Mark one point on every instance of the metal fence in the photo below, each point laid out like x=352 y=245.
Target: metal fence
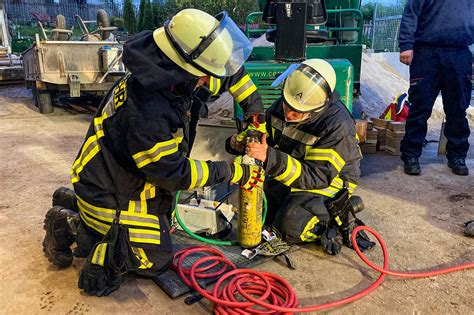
x=384 y=26
x=23 y=11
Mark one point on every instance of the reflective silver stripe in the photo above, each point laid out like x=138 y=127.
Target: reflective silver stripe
x=109 y=216
x=88 y=150
x=109 y=108
x=99 y=227
x=215 y=85
x=143 y=237
x=100 y=250
x=300 y=136
x=242 y=89
x=138 y=207
x=277 y=123
x=325 y=192
x=294 y=133
x=199 y=172
x=329 y=156
x=292 y=172
x=98 y=127
x=155 y=153
x=136 y=235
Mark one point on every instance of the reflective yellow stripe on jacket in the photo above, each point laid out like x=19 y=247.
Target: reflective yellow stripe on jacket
x=158 y=151
x=242 y=89
x=330 y=191
x=199 y=173
x=91 y=146
x=98 y=257
x=329 y=155
x=307 y=235
x=291 y=173
x=146 y=227
x=214 y=85
x=140 y=206
x=145 y=263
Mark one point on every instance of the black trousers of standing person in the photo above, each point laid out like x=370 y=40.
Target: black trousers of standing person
x=433 y=70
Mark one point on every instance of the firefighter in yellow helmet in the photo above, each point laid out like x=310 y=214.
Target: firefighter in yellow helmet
x=134 y=157
x=311 y=159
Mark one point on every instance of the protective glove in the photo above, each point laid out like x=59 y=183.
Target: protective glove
x=254 y=122
x=96 y=278
x=247 y=176
x=362 y=239
x=331 y=240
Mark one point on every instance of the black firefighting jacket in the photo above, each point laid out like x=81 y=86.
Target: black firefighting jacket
x=316 y=155
x=242 y=89
x=134 y=155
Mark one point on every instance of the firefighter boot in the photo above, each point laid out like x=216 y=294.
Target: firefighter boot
x=458 y=166
x=469 y=228
x=66 y=198
x=411 y=166
x=60 y=224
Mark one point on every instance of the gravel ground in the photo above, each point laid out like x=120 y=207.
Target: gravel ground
x=420 y=219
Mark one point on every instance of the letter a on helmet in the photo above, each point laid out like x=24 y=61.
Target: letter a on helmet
x=202 y=44
x=309 y=86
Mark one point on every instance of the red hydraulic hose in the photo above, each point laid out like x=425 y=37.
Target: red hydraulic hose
x=267 y=293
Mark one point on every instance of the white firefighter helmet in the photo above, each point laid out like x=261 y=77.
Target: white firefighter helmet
x=309 y=87
x=202 y=44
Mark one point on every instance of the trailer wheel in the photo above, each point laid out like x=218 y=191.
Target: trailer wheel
x=61 y=24
x=44 y=103
x=103 y=21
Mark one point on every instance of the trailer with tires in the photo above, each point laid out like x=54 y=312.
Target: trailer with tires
x=56 y=66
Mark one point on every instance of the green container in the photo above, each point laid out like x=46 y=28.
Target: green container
x=19 y=45
x=342 y=4
x=264 y=73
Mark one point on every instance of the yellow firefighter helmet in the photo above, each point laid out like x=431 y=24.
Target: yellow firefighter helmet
x=309 y=87
x=202 y=44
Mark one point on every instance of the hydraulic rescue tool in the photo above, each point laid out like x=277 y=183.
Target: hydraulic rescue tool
x=249 y=218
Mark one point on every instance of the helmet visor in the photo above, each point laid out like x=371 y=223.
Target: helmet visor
x=224 y=51
x=221 y=53
x=305 y=89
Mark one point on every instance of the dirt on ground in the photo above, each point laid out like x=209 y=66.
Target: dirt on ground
x=420 y=219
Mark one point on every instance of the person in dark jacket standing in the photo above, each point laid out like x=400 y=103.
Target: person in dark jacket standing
x=310 y=155
x=434 y=38
x=134 y=157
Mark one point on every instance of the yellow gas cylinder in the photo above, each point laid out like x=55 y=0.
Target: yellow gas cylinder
x=249 y=217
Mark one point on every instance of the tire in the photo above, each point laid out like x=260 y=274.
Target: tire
x=61 y=24
x=44 y=103
x=103 y=21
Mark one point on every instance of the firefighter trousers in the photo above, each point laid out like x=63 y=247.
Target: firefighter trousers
x=299 y=216
x=152 y=262
x=434 y=70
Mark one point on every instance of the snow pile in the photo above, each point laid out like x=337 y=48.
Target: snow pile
x=381 y=83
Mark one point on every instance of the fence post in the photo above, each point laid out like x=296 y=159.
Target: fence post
x=374 y=18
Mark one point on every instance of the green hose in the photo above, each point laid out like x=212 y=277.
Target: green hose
x=207 y=240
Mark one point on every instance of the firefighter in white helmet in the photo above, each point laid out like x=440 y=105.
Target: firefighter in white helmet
x=134 y=156
x=311 y=159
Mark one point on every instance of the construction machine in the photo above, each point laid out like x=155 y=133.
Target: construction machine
x=305 y=29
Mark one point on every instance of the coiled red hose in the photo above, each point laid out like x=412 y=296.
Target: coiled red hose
x=267 y=293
